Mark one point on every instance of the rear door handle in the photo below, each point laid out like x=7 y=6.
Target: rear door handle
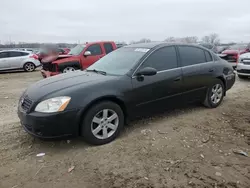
x=177 y=79
x=211 y=70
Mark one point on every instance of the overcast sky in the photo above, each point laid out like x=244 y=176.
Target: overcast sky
x=122 y=20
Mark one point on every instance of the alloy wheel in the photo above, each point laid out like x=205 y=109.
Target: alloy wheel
x=104 y=124
x=29 y=67
x=217 y=93
x=69 y=69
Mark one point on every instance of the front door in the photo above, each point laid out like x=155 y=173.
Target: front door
x=96 y=54
x=163 y=90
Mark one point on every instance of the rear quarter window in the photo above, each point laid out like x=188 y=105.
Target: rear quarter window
x=208 y=56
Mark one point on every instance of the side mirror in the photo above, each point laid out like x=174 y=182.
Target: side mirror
x=147 y=71
x=87 y=53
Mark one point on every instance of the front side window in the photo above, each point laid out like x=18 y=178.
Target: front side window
x=191 y=55
x=17 y=54
x=162 y=59
x=95 y=49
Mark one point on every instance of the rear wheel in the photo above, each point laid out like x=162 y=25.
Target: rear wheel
x=69 y=69
x=102 y=123
x=242 y=77
x=29 y=67
x=215 y=94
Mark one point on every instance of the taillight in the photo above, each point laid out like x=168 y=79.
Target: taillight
x=34 y=56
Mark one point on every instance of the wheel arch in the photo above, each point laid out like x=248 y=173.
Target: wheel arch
x=75 y=64
x=221 y=78
x=111 y=98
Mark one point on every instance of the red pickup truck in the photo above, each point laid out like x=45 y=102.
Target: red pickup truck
x=233 y=52
x=79 y=57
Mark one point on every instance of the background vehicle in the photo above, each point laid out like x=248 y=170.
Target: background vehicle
x=243 y=66
x=14 y=59
x=221 y=48
x=209 y=46
x=79 y=57
x=233 y=52
x=132 y=81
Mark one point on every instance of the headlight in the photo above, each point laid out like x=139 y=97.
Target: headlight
x=56 y=104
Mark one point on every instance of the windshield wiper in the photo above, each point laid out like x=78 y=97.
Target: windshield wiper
x=97 y=71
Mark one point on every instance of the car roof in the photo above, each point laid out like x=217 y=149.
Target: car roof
x=156 y=44
x=97 y=42
x=15 y=51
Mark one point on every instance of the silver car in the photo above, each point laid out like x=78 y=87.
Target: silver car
x=16 y=59
x=243 y=66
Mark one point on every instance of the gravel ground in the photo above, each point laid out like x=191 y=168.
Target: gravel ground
x=189 y=147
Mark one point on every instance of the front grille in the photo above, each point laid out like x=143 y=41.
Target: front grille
x=50 y=67
x=26 y=104
x=244 y=71
x=246 y=61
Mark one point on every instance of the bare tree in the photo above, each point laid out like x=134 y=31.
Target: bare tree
x=212 y=39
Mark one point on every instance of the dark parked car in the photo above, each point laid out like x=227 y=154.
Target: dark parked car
x=129 y=82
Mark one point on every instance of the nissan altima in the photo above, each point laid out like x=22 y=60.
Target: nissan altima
x=132 y=81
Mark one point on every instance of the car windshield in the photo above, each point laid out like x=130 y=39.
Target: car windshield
x=119 y=62
x=238 y=47
x=77 y=49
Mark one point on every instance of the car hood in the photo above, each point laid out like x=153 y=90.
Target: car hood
x=230 y=51
x=66 y=58
x=245 y=55
x=53 y=84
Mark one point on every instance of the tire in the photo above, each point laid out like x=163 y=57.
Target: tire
x=242 y=77
x=29 y=67
x=213 y=102
x=94 y=124
x=69 y=69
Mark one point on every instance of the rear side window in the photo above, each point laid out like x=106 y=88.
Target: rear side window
x=4 y=54
x=162 y=59
x=191 y=55
x=208 y=56
x=95 y=49
x=17 y=54
x=108 y=47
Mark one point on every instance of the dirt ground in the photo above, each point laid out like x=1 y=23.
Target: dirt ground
x=188 y=147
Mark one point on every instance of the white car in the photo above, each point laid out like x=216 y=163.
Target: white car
x=16 y=59
x=243 y=66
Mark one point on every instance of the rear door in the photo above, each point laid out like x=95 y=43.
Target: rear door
x=108 y=47
x=16 y=58
x=198 y=68
x=162 y=90
x=96 y=54
x=4 y=63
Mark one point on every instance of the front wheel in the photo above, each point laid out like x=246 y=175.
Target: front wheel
x=69 y=69
x=29 y=67
x=102 y=123
x=215 y=95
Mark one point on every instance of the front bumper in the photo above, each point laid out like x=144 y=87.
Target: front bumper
x=54 y=125
x=243 y=69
